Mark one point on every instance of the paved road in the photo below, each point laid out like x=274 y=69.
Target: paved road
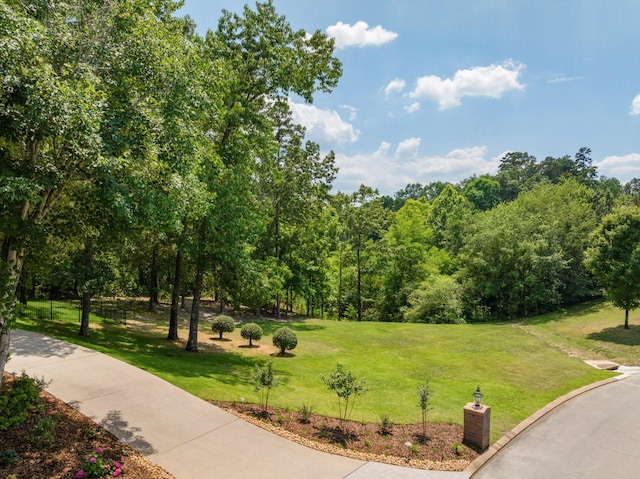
x=593 y=436
x=187 y=436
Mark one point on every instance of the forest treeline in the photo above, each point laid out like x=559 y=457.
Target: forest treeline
x=139 y=157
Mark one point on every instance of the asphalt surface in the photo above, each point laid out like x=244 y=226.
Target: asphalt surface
x=592 y=436
x=187 y=436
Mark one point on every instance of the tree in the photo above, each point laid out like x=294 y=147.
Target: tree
x=614 y=257
x=482 y=192
x=437 y=300
x=264 y=61
x=223 y=324
x=285 y=340
x=264 y=381
x=424 y=398
x=251 y=331
x=78 y=106
x=405 y=258
x=347 y=387
x=363 y=221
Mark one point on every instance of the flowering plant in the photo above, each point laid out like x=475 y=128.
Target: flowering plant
x=97 y=466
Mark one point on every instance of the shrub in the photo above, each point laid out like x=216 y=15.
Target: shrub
x=17 y=399
x=251 y=331
x=285 y=339
x=385 y=424
x=305 y=413
x=98 y=466
x=223 y=324
x=7 y=457
x=347 y=387
x=43 y=432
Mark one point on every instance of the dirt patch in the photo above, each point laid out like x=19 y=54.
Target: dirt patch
x=406 y=445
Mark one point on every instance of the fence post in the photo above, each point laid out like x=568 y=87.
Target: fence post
x=51 y=309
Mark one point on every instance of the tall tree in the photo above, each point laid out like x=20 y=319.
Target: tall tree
x=73 y=75
x=364 y=219
x=265 y=60
x=614 y=258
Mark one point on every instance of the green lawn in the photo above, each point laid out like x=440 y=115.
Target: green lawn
x=519 y=366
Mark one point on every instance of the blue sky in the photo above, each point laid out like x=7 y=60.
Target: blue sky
x=442 y=89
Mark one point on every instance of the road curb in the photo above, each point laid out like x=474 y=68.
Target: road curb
x=524 y=425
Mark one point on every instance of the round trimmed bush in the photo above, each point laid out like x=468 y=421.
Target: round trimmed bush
x=285 y=339
x=251 y=331
x=223 y=324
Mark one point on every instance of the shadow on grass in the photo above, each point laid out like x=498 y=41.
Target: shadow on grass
x=591 y=307
x=148 y=351
x=618 y=335
x=249 y=346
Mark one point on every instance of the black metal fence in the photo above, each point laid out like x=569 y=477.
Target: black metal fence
x=116 y=311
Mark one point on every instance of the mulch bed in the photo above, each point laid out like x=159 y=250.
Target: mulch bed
x=406 y=445
x=75 y=437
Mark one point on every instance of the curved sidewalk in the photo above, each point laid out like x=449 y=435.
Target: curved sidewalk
x=187 y=436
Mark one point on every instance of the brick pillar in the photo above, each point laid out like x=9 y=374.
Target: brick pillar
x=477 y=422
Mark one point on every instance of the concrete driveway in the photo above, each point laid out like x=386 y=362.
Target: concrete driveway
x=593 y=436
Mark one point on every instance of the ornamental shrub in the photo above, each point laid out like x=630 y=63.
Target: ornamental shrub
x=223 y=324
x=251 y=331
x=285 y=339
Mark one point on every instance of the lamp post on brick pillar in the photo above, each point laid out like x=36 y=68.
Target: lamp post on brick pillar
x=477 y=422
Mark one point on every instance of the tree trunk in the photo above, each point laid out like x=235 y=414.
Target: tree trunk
x=626 y=319
x=192 y=342
x=86 y=309
x=11 y=265
x=153 y=280
x=175 y=297
x=86 y=294
x=340 y=282
x=359 y=285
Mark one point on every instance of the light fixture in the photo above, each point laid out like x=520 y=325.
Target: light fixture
x=477 y=398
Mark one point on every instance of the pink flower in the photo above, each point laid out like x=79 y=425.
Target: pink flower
x=107 y=466
x=92 y=460
x=116 y=473
x=99 y=450
x=117 y=464
x=80 y=474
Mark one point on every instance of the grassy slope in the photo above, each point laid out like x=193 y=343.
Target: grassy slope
x=520 y=367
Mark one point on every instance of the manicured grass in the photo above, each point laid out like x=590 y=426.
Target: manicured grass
x=591 y=331
x=516 y=365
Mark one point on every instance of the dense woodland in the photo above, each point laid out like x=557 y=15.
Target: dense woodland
x=139 y=158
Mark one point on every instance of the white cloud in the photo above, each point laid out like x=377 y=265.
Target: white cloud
x=389 y=171
x=397 y=84
x=624 y=167
x=323 y=125
x=408 y=148
x=359 y=35
x=635 y=105
x=353 y=112
x=564 y=79
x=412 y=108
x=491 y=81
